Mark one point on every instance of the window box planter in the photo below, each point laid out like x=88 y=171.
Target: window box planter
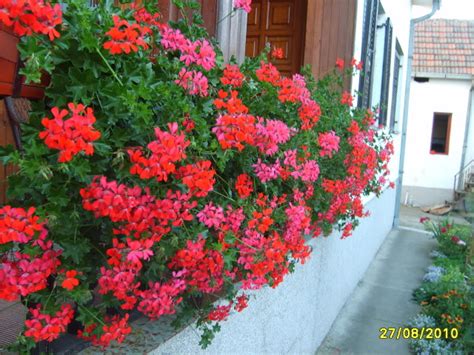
x=11 y=83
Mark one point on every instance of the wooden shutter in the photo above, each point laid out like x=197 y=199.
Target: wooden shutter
x=330 y=32
x=169 y=12
x=396 y=75
x=387 y=61
x=368 y=51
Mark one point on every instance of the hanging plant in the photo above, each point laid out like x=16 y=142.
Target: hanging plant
x=155 y=178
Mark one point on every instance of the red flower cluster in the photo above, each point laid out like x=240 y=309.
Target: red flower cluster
x=233 y=131
x=161 y=299
x=26 y=274
x=143 y=17
x=232 y=76
x=340 y=63
x=264 y=258
x=199 y=177
x=126 y=37
x=241 y=303
x=18 y=225
x=263 y=253
x=308 y=171
x=361 y=164
x=20 y=272
x=297 y=225
x=236 y=128
x=244 y=185
x=166 y=150
x=117 y=329
x=26 y=17
x=220 y=313
x=70 y=282
x=194 y=82
x=357 y=65
x=347 y=99
x=42 y=326
x=73 y=135
x=138 y=212
x=292 y=90
x=233 y=105
x=277 y=53
x=268 y=73
x=202 y=268
x=120 y=281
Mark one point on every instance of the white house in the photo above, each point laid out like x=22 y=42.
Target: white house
x=440 y=135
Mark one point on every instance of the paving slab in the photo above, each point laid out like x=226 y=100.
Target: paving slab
x=12 y=316
x=410 y=217
x=383 y=298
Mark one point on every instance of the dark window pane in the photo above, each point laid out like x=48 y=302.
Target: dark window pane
x=440 y=133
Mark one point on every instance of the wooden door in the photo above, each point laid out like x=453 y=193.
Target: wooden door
x=281 y=23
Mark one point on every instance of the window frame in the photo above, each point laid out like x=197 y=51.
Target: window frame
x=397 y=71
x=368 y=51
x=386 y=73
x=449 y=115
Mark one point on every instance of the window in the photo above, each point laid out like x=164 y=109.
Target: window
x=387 y=61
x=421 y=79
x=440 y=133
x=368 y=50
x=395 y=87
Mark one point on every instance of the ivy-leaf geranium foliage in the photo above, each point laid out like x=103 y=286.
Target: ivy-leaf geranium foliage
x=155 y=178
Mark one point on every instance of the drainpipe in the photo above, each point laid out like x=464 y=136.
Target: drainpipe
x=413 y=22
x=231 y=30
x=468 y=127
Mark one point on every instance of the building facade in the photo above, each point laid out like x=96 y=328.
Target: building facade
x=440 y=137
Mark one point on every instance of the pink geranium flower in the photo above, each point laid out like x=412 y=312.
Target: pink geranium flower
x=243 y=4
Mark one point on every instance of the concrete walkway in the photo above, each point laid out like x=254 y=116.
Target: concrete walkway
x=383 y=297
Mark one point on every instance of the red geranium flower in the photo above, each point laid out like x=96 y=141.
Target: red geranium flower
x=70 y=282
x=244 y=185
x=277 y=53
x=126 y=37
x=73 y=135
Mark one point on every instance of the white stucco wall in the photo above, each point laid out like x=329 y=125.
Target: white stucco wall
x=400 y=13
x=295 y=317
x=470 y=140
x=423 y=169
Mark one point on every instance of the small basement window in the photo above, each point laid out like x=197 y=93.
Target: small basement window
x=421 y=79
x=440 y=133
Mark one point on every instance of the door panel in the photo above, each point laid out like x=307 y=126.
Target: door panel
x=253 y=19
x=280 y=16
x=281 y=23
x=252 y=46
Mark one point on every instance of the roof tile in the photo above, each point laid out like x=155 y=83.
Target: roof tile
x=444 y=46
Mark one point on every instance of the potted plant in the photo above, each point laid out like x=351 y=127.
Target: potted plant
x=22 y=19
x=168 y=181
